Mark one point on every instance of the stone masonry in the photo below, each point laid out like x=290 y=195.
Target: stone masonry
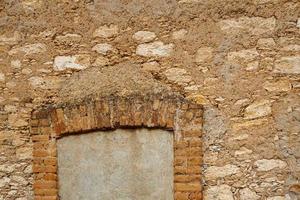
x=237 y=61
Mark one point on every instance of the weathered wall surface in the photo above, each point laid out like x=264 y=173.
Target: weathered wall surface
x=239 y=58
x=120 y=164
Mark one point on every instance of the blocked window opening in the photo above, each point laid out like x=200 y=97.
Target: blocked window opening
x=122 y=164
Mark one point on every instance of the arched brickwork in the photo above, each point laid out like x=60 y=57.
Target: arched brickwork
x=169 y=112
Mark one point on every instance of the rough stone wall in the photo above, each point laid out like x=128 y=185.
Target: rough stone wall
x=241 y=59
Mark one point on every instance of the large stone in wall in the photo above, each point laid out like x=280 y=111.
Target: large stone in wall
x=214 y=172
x=266 y=43
x=2 y=77
x=267 y=165
x=219 y=192
x=178 y=75
x=154 y=49
x=68 y=38
x=45 y=82
x=278 y=86
x=144 y=36
x=247 y=194
x=179 y=34
x=276 y=198
x=4 y=181
x=29 y=49
x=77 y=62
x=11 y=39
x=204 y=54
x=106 y=31
x=103 y=48
x=250 y=25
x=258 y=109
x=120 y=164
x=15 y=120
x=243 y=56
x=288 y=65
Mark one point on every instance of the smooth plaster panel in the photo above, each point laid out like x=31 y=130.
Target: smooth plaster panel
x=125 y=164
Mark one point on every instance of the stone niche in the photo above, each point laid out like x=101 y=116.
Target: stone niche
x=119 y=164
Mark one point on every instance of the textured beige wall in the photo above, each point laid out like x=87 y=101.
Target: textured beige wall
x=121 y=164
x=238 y=57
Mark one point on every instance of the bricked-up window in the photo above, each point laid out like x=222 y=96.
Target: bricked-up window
x=119 y=164
x=167 y=113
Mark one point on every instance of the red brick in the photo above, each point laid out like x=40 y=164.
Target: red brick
x=45 y=184
x=188 y=187
x=181 y=196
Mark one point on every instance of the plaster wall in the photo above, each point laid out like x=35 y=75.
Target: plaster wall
x=122 y=164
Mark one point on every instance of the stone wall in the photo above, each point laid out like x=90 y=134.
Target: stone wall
x=240 y=59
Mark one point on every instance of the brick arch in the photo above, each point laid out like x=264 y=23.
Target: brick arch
x=170 y=112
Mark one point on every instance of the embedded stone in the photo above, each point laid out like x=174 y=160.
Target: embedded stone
x=266 y=43
x=291 y=47
x=243 y=57
x=28 y=169
x=264 y=1
x=242 y=151
x=276 y=198
x=106 y=31
x=250 y=25
x=4 y=181
x=29 y=49
x=44 y=82
x=14 y=120
x=192 y=88
x=252 y=66
x=2 y=77
x=190 y=1
x=298 y=23
x=102 y=48
x=267 y=165
x=178 y=75
x=11 y=84
x=215 y=172
x=77 y=62
x=246 y=194
x=278 y=86
x=16 y=64
x=219 y=192
x=204 y=54
x=7 y=168
x=248 y=124
x=258 y=109
x=69 y=37
x=7 y=40
x=288 y=65
x=153 y=49
x=20 y=180
x=179 y=35
x=26 y=71
x=144 y=36
x=24 y=153
x=151 y=66
x=101 y=61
